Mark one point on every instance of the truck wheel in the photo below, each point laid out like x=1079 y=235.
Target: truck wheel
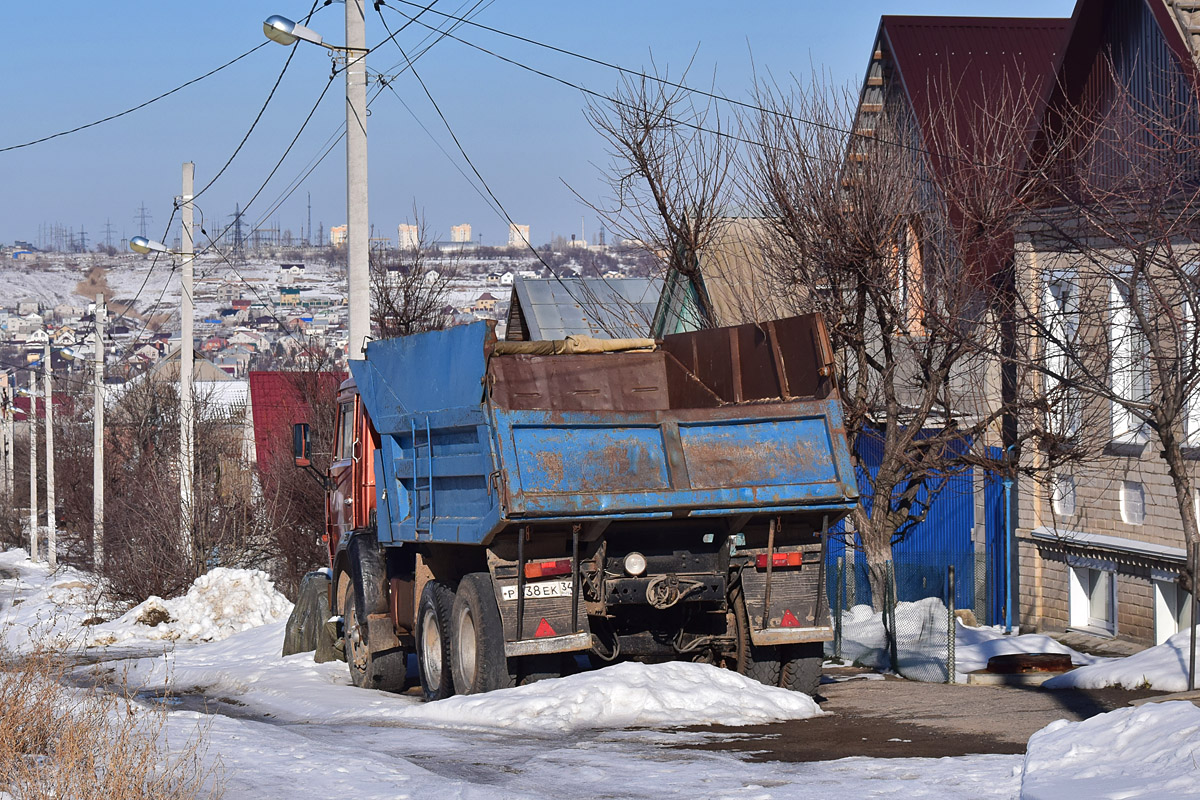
x=433 y=640
x=801 y=670
x=478 y=635
x=758 y=662
x=385 y=670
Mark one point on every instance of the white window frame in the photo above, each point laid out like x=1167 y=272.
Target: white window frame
x=1062 y=494
x=1060 y=316
x=1085 y=581
x=1127 y=515
x=1127 y=371
x=1172 y=609
x=1191 y=410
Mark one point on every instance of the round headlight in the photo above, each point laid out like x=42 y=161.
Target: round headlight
x=635 y=564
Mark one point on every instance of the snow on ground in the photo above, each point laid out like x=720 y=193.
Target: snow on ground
x=64 y=608
x=1164 y=668
x=248 y=668
x=921 y=642
x=1149 y=751
x=218 y=604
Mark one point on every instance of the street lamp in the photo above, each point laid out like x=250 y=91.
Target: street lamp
x=285 y=31
x=187 y=456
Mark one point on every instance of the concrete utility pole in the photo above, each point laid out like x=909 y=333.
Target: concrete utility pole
x=33 y=478
x=6 y=432
x=51 y=522
x=98 y=438
x=357 y=252
x=186 y=409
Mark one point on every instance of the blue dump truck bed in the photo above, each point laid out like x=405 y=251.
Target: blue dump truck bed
x=477 y=436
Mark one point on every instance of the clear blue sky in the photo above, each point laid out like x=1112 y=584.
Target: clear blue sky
x=70 y=62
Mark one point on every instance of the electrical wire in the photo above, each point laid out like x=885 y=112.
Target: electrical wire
x=138 y=107
x=336 y=137
x=852 y=134
x=484 y=182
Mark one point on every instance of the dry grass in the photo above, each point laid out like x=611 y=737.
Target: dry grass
x=59 y=741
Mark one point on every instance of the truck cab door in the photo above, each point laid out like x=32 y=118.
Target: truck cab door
x=340 y=499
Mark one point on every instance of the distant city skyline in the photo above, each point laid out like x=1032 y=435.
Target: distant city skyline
x=524 y=133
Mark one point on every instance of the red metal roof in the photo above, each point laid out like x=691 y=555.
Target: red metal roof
x=280 y=399
x=976 y=57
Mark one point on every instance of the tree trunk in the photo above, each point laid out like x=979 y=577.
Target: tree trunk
x=1177 y=466
x=877 y=546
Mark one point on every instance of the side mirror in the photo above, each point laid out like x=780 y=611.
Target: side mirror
x=300 y=449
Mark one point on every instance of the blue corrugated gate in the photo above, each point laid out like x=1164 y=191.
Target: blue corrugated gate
x=996 y=541
x=942 y=538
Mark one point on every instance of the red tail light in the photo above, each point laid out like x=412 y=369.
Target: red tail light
x=780 y=560
x=546 y=569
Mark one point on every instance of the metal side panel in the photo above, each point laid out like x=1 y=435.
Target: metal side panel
x=438 y=479
x=597 y=464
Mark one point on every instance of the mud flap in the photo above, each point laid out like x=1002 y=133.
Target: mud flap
x=795 y=594
x=548 y=612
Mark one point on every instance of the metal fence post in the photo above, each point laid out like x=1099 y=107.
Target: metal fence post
x=840 y=595
x=889 y=594
x=950 y=626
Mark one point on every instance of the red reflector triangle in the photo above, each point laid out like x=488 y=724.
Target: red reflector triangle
x=789 y=620
x=544 y=629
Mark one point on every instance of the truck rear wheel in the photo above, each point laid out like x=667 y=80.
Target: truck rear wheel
x=478 y=662
x=433 y=640
x=801 y=671
x=754 y=661
x=386 y=670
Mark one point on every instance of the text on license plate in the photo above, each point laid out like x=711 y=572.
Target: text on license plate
x=539 y=589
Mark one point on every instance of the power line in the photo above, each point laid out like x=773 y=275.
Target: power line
x=471 y=164
x=138 y=107
x=918 y=149
x=336 y=137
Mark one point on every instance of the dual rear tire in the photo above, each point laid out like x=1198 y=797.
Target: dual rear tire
x=460 y=639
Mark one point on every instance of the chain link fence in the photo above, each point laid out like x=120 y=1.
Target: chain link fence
x=911 y=631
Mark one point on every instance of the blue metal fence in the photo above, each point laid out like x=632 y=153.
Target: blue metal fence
x=944 y=537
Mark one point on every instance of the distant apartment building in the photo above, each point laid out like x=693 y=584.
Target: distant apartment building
x=337 y=235
x=460 y=233
x=408 y=237
x=518 y=235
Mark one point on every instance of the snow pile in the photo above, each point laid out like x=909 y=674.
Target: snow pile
x=628 y=695
x=39 y=608
x=1164 y=667
x=1149 y=751
x=974 y=646
x=219 y=604
x=921 y=642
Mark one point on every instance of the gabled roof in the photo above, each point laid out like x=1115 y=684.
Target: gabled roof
x=553 y=308
x=280 y=399
x=976 y=58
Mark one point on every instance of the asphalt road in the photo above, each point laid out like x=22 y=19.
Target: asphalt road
x=894 y=718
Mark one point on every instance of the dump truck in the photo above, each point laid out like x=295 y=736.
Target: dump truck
x=501 y=508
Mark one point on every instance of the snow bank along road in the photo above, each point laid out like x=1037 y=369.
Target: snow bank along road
x=279 y=724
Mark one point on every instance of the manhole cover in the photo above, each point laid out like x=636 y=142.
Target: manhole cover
x=1017 y=663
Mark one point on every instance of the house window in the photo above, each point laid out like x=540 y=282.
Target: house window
x=1061 y=324
x=910 y=282
x=1129 y=375
x=1172 y=610
x=1093 y=599
x=1062 y=495
x=1133 y=502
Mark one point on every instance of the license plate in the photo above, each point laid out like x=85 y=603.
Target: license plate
x=539 y=589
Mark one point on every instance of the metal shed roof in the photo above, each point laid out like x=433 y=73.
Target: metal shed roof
x=606 y=308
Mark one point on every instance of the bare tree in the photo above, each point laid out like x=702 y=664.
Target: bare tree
x=671 y=170
x=897 y=234
x=408 y=294
x=1112 y=289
